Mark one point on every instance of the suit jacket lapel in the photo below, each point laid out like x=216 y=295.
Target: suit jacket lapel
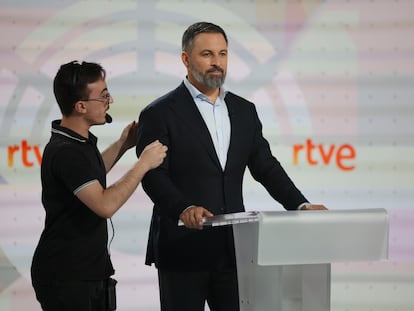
x=235 y=125
x=188 y=111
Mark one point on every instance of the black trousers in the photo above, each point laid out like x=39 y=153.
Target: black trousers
x=73 y=295
x=189 y=291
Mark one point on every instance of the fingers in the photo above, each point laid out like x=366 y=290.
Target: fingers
x=158 y=147
x=131 y=126
x=192 y=217
x=161 y=154
x=314 y=207
x=128 y=135
x=318 y=207
x=154 y=154
x=153 y=144
x=207 y=213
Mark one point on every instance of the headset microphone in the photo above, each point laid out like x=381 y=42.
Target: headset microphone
x=108 y=118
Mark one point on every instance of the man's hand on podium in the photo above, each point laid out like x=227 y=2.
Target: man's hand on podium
x=313 y=207
x=192 y=217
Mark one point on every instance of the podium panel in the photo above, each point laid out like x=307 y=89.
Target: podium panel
x=277 y=287
x=307 y=237
x=283 y=258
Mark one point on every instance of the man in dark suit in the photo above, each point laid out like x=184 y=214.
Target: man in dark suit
x=212 y=136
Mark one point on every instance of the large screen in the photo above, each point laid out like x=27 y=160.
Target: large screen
x=332 y=81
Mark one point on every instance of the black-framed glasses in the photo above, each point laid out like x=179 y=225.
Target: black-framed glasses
x=104 y=99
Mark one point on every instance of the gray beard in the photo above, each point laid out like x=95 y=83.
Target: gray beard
x=212 y=82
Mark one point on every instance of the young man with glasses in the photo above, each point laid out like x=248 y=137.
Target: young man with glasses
x=71 y=267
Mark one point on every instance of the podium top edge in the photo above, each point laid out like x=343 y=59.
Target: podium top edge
x=329 y=211
x=258 y=216
x=318 y=213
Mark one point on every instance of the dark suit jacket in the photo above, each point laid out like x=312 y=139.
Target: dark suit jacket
x=192 y=175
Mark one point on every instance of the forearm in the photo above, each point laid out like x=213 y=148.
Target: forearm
x=105 y=202
x=120 y=191
x=112 y=154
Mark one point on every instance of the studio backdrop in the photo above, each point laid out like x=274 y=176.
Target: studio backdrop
x=333 y=83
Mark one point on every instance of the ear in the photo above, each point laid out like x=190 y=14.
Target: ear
x=184 y=58
x=79 y=106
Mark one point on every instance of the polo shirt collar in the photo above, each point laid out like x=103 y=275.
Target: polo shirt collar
x=68 y=133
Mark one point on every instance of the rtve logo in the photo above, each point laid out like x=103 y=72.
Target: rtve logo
x=29 y=155
x=342 y=156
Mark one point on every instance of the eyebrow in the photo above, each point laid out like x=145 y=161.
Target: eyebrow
x=209 y=50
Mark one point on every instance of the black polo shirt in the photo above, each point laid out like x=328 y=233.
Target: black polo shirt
x=73 y=244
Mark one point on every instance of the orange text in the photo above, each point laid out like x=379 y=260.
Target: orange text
x=29 y=155
x=342 y=156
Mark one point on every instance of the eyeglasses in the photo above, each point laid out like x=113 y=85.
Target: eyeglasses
x=104 y=99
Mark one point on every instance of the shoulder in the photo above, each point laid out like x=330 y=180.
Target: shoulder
x=64 y=149
x=237 y=98
x=168 y=99
x=238 y=103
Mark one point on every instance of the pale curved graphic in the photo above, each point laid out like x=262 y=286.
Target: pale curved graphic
x=65 y=21
x=246 y=35
x=338 y=72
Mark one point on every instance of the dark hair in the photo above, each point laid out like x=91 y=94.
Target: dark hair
x=71 y=83
x=193 y=30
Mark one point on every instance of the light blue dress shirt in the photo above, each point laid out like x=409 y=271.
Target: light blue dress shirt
x=216 y=118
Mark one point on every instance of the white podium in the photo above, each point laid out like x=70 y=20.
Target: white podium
x=284 y=258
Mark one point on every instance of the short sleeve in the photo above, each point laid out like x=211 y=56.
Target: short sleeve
x=74 y=168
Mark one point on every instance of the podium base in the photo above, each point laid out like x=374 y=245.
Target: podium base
x=278 y=287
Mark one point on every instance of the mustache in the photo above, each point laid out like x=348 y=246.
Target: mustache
x=216 y=68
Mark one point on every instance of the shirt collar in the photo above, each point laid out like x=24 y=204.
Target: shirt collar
x=195 y=93
x=64 y=131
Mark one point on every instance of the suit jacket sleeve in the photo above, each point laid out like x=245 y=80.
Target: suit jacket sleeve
x=157 y=182
x=267 y=170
